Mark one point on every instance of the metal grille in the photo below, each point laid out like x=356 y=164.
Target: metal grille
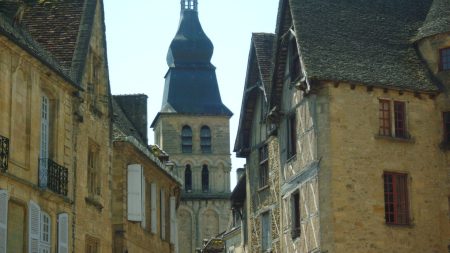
x=4 y=153
x=53 y=176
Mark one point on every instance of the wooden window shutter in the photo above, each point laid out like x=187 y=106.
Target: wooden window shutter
x=3 y=220
x=153 y=208
x=34 y=221
x=134 y=200
x=45 y=233
x=172 y=219
x=163 y=215
x=63 y=233
x=143 y=200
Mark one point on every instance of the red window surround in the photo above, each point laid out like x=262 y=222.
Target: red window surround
x=444 y=59
x=396 y=203
x=385 y=117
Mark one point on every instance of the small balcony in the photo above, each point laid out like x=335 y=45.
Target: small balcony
x=53 y=176
x=4 y=153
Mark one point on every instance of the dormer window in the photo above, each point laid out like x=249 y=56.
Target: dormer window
x=444 y=59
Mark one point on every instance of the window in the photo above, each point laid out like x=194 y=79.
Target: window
x=446 y=117
x=400 y=119
x=205 y=139
x=45 y=233
x=92 y=244
x=188 y=178
x=266 y=232
x=444 y=59
x=385 y=118
x=397 y=127
x=186 y=139
x=44 y=142
x=396 y=204
x=263 y=166
x=295 y=61
x=93 y=179
x=295 y=216
x=205 y=178
x=291 y=135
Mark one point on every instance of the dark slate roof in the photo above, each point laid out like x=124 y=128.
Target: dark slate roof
x=259 y=68
x=122 y=125
x=25 y=40
x=362 y=41
x=437 y=21
x=191 y=84
x=64 y=29
x=263 y=44
x=55 y=26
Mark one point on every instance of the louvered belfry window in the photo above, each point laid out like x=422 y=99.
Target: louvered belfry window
x=188 y=178
x=205 y=139
x=186 y=139
x=396 y=202
x=446 y=118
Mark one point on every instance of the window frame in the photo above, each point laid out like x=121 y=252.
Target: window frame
x=295 y=215
x=395 y=115
x=263 y=172
x=205 y=140
x=446 y=127
x=205 y=178
x=266 y=245
x=188 y=172
x=186 y=139
x=398 y=187
x=93 y=170
x=291 y=135
x=443 y=60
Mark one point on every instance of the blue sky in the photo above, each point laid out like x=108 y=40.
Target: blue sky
x=139 y=33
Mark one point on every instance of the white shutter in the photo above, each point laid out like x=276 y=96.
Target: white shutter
x=63 y=233
x=45 y=235
x=3 y=220
x=44 y=142
x=34 y=221
x=163 y=215
x=143 y=225
x=153 y=208
x=134 y=203
x=172 y=219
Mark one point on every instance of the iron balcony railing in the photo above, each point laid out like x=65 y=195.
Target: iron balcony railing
x=53 y=176
x=4 y=153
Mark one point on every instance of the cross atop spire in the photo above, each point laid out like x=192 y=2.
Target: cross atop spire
x=189 y=5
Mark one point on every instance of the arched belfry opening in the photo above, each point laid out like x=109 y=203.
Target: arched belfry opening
x=189 y=5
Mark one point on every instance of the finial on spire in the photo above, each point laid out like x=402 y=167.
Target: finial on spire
x=189 y=5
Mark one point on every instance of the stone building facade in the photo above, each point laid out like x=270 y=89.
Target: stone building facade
x=193 y=128
x=56 y=138
x=145 y=191
x=360 y=117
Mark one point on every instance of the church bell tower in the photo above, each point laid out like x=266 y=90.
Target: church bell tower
x=193 y=128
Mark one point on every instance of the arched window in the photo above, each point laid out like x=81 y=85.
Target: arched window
x=186 y=139
x=188 y=178
x=205 y=139
x=205 y=178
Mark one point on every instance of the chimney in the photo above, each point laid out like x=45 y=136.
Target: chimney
x=135 y=108
x=239 y=173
